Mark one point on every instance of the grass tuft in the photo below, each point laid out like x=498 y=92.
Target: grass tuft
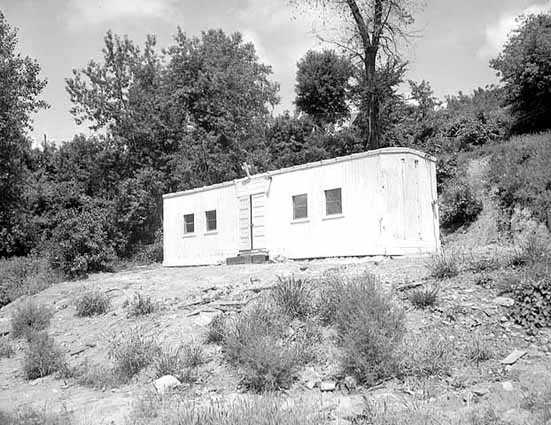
x=293 y=296
x=42 y=357
x=140 y=305
x=30 y=416
x=29 y=318
x=91 y=303
x=216 y=330
x=443 y=266
x=6 y=349
x=424 y=297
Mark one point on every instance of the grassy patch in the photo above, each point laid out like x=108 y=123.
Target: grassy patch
x=424 y=297
x=293 y=296
x=150 y=409
x=478 y=350
x=29 y=318
x=140 y=305
x=425 y=355
x=216 y=330
x=31 y=416
x=443 y=265
x=42 y=357
x=95 y=376
x=181 y=362
x=257 y=343
x=131 y=351
x=6 y=349
x=91 y=303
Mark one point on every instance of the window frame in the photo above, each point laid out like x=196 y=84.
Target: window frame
x=185 y=224
x=326 y=204
x=207 y=220
x=294 y=207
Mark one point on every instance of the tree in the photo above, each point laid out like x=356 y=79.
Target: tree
x=20 y=87
x=374 y=26
x=524 y=66
x=323 y=85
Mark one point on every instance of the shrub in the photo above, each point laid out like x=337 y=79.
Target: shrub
x=370 y=328
x=28 y=318
x=92 y=302
x=256 y=342
x=131 y=351
x=42 y=357
x=532 y=250
x=443 y=265
x=425 y=355
x=519 y=175
x=216 y=330
x=458 y=204
x=424 y=297
x=140 y=305
x=6 y=350
x=30 y=416
x=292 y=296
x=532 y=308
x=24 y=276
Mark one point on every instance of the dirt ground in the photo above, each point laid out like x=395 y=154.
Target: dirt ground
x=189 y=297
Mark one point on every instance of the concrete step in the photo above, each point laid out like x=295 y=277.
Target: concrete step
x=253 y=258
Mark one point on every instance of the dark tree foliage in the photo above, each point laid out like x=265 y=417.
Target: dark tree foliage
x=20 y=87
x=524 y=67
x=322 y=86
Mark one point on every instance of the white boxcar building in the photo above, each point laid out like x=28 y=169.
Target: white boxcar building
x=381 y=202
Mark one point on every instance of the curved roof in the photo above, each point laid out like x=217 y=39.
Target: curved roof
x=359 y=155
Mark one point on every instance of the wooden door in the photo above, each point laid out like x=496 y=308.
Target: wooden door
x=258 y=207
x=245 y=223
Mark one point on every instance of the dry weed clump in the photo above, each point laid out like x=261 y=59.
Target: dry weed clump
x=445 y=265
x=258 y=343
x=92 y=302
x=370 y=325
x=424 y=297
x=29 y=318
x=140 y=305
x=181 y=362
x=6 y=349
x=293 y=296
x=42 y=357
x=425 y=355
x=31 y=416
x=216 y=329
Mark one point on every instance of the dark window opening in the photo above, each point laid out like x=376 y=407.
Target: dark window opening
x=211 y=220
x=333 y=202
x=300 y=206
x=189 y=223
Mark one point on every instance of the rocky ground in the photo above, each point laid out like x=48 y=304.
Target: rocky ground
x=466 y=314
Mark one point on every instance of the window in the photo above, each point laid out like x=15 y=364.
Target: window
x=333 y=202
x=211 y=220
x=300 y=206
x=189 y=223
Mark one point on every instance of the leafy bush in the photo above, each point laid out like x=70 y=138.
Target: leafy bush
x=82 y=242
x=293 y=296
x=458 y=204
x=24 y=276
x=29 y=416
x=92 y=302
x=257 y=342
x=424 y=297
x=532 y=308
x=443 y=265
x=28 y=318
x=370 y=327
x=42 y=357
x=216 y=330
x=519 y=175
x=6 y=350
x=141 y=305
x=131 y=351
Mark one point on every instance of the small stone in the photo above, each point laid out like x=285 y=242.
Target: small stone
x=350 y=383
x=503 y=319
x=328 y=386
x=507 y=386
x=166 y=383
x=504 y=301
x=480 y=390
x=311 y=384
x=513 y=357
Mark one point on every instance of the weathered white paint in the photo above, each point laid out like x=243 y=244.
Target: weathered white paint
x=388 y=202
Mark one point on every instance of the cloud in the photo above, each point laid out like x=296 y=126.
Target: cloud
x=498 y=32
x=99 y=11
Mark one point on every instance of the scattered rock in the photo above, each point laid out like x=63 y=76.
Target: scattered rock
x=328 y=386
x=480 y=390
x=303 y=268
x=4 y=327
x=504 y=301
x=507 y=386
x=311 y=384
x=513 y=357
x=350 y=407
x=166 y=383
x=350 y=383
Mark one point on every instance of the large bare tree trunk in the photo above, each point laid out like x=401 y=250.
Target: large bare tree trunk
x=370 y=101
